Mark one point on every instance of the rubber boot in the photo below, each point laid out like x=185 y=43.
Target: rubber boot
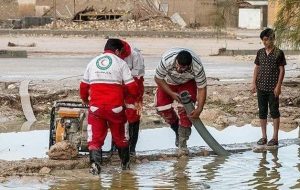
x=174 y=127
x=125 y=157
x=95 y=161
x=184 y=135
x=133 y=136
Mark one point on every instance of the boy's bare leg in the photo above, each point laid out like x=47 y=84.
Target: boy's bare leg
x=276 y=123
x=263 y=125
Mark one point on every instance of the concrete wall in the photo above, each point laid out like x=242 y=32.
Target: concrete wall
x=8 y=9
x=205 y=12
x=13 y=9
x=185 y=8
x=26 y=8
x=201 y=12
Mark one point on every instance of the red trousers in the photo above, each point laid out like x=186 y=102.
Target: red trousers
x=99 y=120
x=164 y=103
x=131 y=112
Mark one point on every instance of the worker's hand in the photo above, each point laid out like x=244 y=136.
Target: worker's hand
x=139 y=107
x=195 y=114
x=176 y=96
x=277 y=90
x=85 y=102
x=253 y=88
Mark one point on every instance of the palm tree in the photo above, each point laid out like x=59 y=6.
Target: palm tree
x=287 y=24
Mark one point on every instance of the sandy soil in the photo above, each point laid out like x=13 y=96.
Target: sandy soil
x=228 y=103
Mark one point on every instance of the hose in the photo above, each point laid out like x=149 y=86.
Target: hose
x=207 y=137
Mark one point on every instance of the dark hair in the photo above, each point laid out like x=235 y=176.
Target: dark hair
x=267 y=33
x=184 y=58
x=113 y=44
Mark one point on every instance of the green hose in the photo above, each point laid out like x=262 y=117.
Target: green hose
x=212 y=143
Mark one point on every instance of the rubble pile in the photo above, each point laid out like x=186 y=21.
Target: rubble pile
x=63 y=151
x=154 y=24
x=143 y=16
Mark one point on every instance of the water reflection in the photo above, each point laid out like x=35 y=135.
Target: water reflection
x=274 y=169
x=120 y=180
x=181 y=173
x=267 y=175
x=297 y=185
x=210 y=170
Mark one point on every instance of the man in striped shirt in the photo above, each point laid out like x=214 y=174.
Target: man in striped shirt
x=180 y=69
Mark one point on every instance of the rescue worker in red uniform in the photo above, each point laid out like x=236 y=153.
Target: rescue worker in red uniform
x=180 y=69
x=102 y=88
x=133 y=57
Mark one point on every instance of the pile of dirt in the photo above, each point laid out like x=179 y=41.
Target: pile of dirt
x=147 y=24
x=63 y=151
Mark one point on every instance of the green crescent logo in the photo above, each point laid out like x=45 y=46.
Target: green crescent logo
x=104 y=62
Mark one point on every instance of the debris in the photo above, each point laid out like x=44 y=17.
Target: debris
x=176 y=18
x=11 y=44
x=45 y=170
x=11 y=86
x=147 y=24
x=63 y=151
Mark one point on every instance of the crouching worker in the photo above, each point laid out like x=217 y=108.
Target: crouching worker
x=102 y=89
x=180 y=70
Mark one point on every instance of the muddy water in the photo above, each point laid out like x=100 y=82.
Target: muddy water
x=276 y=169
x=16 y=145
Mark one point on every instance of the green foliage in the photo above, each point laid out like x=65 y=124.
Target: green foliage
x=287 y=25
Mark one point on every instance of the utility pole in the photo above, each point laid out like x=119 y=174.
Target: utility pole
x=54 y=9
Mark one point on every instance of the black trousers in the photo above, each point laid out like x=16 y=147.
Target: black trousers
x=266 y=99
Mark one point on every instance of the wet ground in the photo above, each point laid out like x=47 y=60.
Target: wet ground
x=154 y=140
x=55 y=60
x=277 y=169
x=245 y=169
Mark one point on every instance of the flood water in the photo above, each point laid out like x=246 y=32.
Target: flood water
x=273 y=169
x=277 y=169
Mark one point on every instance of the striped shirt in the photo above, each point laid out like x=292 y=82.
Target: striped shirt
x=167 y=69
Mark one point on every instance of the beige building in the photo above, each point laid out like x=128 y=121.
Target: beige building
x=194 y=12
x=201 y=12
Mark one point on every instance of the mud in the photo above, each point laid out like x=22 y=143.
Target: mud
x=63 y=151
x=44 y=167
x=227 y=103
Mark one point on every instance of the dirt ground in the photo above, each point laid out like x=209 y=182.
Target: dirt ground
x=228 y=103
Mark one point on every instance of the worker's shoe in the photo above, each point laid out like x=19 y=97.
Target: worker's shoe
x=133 y=136
x=184 y=135
x=95 y=161
x=174 y=127
x=125 y=157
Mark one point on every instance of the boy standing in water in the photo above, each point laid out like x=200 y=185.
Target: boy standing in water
x=267 y=80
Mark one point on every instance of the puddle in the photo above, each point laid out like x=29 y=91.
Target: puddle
x=273 y=169
x=276 y=169
x=24 y=145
